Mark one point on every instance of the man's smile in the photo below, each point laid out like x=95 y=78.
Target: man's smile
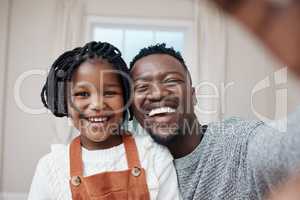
x=161 y=111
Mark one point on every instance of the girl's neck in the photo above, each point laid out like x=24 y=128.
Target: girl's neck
x=111 y=141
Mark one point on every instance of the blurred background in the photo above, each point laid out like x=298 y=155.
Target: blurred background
x=232 y=73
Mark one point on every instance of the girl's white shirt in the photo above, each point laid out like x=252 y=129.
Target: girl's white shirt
x=52 y=175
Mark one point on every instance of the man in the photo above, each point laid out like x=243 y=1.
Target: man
x=164 y=99
x=234 y=159
x=212 y=163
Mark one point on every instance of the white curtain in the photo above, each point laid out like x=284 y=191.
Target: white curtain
x=210 y=54
x=69 y=34
x=212 y=47
x=69 y=25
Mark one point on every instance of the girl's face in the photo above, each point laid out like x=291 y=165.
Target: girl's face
x=96 y=102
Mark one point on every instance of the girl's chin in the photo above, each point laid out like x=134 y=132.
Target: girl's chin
x=97 y=136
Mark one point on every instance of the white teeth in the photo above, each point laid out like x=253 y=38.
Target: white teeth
x=97 y=119
x=161 y=110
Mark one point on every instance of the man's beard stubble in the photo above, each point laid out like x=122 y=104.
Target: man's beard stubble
x=164 y=140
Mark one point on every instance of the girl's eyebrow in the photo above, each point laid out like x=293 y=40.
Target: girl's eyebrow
x=88 y=85
x=79 y=86
x=112 y=85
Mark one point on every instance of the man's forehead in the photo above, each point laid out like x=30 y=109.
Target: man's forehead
x=157 y=64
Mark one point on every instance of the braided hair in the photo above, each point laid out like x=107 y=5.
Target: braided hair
x=54 y=92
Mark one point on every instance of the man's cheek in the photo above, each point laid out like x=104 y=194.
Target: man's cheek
x=138 y=111
x=138 y=108
x=138 y=114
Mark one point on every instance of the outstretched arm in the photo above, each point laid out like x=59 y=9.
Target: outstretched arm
x=273 y=156
x=275 y=22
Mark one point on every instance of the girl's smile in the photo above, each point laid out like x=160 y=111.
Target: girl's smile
x=96 y=103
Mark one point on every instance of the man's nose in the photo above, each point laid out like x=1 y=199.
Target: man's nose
x=157 y=92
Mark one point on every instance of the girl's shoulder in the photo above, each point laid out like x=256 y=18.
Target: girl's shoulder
x=146 y=142
x=58 y=155
x=59 y=149
x=157 y=161
x=148 y=148
x=52 y=169
x=56 y=161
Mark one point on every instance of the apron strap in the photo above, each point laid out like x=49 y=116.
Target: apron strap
x=76 y=166
x=131 y=151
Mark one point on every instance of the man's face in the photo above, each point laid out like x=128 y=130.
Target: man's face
x=163 y=96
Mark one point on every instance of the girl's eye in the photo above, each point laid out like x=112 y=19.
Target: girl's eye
x=81 y=94
x=110 y=93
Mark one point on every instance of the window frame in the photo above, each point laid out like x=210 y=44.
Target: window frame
x=185 y=26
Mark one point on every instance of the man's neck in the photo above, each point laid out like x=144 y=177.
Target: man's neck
x=187 y=140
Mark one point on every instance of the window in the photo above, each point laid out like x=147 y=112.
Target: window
x=131 y=35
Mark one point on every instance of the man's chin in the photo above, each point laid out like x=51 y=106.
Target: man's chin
x=162 y=139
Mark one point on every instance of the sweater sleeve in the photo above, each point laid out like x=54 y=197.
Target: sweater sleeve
x=273 y=156
x=39 y=187
x=167 y=178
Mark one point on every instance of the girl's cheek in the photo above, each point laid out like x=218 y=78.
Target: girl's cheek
x=79 y=105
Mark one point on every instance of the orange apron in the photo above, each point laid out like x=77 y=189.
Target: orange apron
x=129 y=184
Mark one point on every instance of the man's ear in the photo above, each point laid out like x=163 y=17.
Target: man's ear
x=194 y=96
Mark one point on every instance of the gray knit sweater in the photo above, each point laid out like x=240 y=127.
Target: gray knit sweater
x=239 y=159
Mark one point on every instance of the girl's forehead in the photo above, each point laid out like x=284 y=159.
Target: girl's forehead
x=95 y=72
x=95 y=65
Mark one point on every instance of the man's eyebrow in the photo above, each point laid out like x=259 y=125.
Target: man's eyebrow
x=178 y=73
x=149 y=77
x=142 y=78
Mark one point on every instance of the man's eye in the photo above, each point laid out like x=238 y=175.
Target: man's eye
x=141 y=88
x=81 y=94
x=172 y=81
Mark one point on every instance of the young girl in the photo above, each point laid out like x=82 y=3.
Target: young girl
x=90 y=85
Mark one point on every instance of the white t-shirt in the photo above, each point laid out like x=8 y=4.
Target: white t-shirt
x=51 y=179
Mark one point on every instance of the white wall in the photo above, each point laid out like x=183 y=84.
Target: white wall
x=174 y=9
x=32 y=41
x=4 y=13
x=248 y=63
x=26 y=136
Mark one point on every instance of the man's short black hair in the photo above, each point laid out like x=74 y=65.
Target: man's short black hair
x=159 y=49
x=54 y=93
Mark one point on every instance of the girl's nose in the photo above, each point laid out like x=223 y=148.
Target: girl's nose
x=97 y=103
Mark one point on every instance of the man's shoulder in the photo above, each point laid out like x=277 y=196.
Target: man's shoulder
x=233 y=127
